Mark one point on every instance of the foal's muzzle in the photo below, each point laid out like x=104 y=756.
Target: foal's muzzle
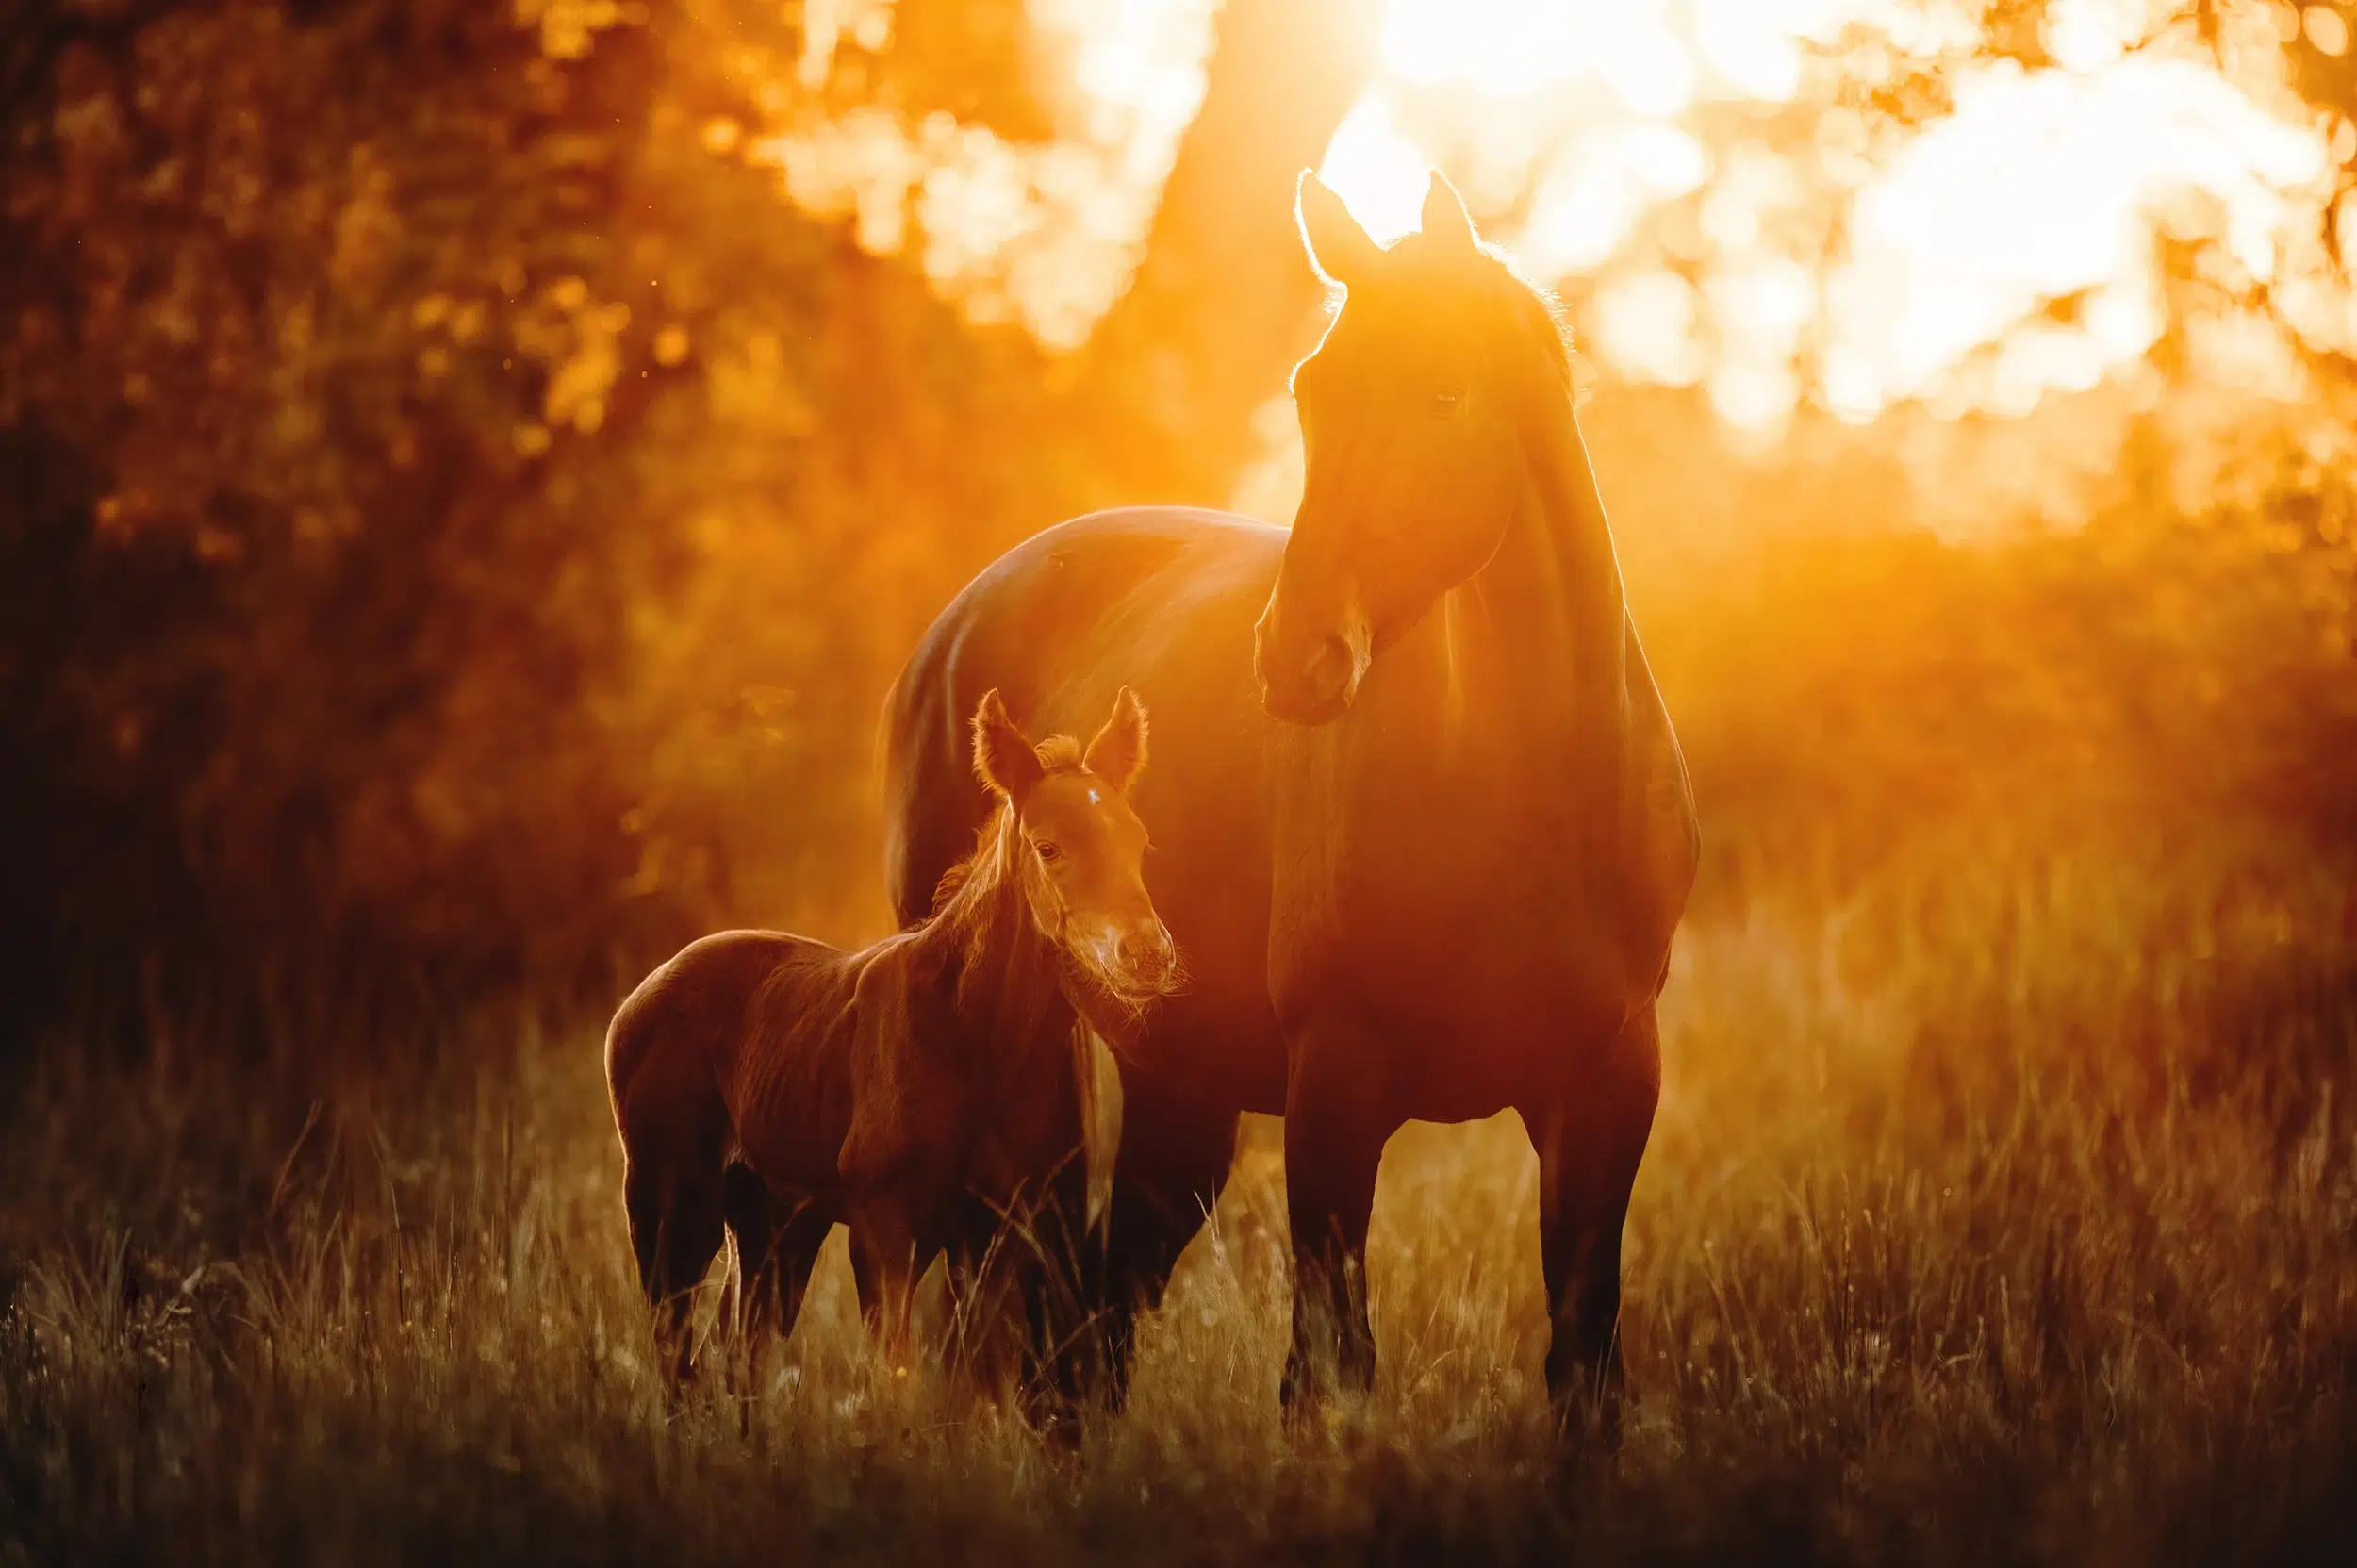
x=1136 y=958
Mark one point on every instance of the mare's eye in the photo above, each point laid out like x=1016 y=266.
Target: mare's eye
x=1050 y=853
x=1444 y=402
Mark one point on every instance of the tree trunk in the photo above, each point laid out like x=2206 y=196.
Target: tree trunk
x=1224 y=302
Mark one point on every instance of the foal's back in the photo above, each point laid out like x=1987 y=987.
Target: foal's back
x=742 y=1039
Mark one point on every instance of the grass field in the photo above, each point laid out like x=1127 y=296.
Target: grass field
x=2003 y=1208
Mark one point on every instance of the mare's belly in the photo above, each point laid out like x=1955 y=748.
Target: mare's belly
x=1455 y=1021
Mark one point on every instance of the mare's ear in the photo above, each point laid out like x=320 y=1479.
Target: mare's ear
x=1004 y=759
x=1117 y=756
x=1444 y=216
x=1337 y=246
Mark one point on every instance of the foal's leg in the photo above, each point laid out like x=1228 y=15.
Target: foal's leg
x=1022 y=1321
x=777 y=1245
x=889 y=1253
x=1590 y=1139
x=1335 y=1128
x=675 y=1230
x=1061 y=1352
x=992 y=1271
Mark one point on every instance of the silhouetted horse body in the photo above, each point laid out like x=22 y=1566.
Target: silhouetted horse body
x=925 y=1090
x=1429 y=830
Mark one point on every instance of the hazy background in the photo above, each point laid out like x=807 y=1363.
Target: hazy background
x=471 y=468
x=469 y=473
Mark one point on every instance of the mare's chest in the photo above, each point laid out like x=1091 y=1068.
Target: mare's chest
x=1449 y=892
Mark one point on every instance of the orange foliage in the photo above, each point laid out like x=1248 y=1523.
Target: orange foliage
x=469 y=485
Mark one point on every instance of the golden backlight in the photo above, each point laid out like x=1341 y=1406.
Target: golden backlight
x=1730 y=232
x=494 y=495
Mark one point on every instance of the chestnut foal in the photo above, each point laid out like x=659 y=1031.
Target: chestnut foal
x=933 y=1091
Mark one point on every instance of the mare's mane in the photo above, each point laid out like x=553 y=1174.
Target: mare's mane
x=1489 y=282
x=1532 y=313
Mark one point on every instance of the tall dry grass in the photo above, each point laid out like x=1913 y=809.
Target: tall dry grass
x=2003 y=1209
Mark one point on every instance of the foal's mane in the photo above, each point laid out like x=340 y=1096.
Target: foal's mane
x=993 y=860
x=979 y=904
x=1009 y=970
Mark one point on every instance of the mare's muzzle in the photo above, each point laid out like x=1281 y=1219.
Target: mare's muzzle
x=1306 y=679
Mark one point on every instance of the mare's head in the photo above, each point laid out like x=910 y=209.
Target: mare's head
x=1077 y=848
x=1412 y=423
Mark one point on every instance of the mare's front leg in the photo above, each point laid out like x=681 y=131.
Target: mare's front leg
x=1590 y=1136
x=1336 y=1124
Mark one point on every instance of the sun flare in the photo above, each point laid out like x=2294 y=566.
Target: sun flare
x=2002 y=252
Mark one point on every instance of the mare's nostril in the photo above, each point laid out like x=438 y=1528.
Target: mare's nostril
x=1329 y=670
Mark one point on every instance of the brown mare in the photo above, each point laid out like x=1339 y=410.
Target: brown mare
x=926 y=1090
x=1430 y=830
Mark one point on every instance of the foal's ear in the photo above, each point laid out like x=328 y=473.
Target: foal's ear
x=1337 y=246
x=1444 y=216
x=1003 y=757
x=1117 y=756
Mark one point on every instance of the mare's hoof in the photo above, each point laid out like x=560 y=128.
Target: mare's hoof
x=1588 y=1418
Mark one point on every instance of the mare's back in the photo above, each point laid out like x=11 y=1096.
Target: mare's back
x=1160 y=599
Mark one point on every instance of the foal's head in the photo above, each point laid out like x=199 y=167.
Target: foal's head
x=1076 y=848
x=1412 y=413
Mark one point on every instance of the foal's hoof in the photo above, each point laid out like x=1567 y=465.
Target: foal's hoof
x=1059 y=1428
x=1323 y=1402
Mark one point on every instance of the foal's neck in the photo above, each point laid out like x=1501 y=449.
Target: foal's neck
x=1006 y=973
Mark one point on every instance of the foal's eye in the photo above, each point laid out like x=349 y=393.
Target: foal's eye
x=1050 y=853
x=1444 y=402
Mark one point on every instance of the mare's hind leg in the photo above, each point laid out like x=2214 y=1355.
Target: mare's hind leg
x=1590 y=1139
x=1175 y=1155
x=675 y=1229
x=777 y=1245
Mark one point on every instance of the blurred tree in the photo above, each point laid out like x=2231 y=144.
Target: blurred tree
x=296 y=297
x=458 y=520
x=1222 y=304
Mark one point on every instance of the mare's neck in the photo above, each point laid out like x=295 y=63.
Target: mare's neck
x=1542 y=627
